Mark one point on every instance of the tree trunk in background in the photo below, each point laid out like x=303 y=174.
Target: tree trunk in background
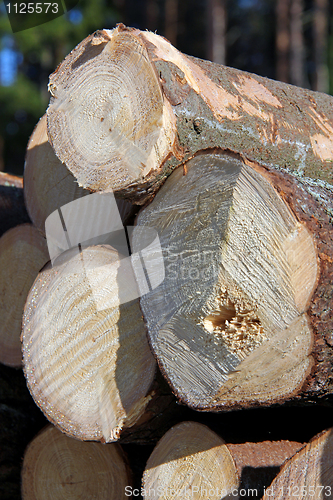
x=296 y=43
x=151 y=15
x=217 y=27
x=171 y=21
x=330 y=51
x=282 y=40
x=320 y=45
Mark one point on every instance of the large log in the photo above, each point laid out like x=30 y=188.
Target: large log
x=56 y=467
x=242 y=315
x=86 y=357
x=127 y=107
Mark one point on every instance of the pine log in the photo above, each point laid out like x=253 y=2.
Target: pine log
x=86 y=357
x=308 y=474
x=23 y=253
x=243 y=313
x=48 y=184
x=258 y=464
x=190 y=460
x=12 y=208
x=127 y=108
x=56 y=467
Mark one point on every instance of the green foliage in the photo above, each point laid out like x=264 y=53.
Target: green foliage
x=42 y=48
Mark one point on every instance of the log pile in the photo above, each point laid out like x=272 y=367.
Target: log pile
x=57 y=467
x=187 y=212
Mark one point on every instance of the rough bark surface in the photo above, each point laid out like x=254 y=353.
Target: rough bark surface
x=196 y=105
x=258 y=463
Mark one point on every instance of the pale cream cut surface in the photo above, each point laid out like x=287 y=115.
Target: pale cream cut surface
x=107 y=118
x=308 y=474
x=48 y=184
x=88 y=368
x=228 y=324
x=57 y=467
x=23 y=252
x=190 y=461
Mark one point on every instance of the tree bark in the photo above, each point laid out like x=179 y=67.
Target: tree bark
x=258 y=463
x=308 y=474
x=238 y=339
x=178 y=106
x=12 y=208
x=56 y=467
x=23 y=253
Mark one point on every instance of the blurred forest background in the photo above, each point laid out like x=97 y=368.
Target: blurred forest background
x=287 y=40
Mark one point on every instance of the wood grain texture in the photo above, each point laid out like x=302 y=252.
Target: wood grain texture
x=57 y=467
x=118 y=124
x=308 y=474
x=88 y=368
x=228 y=325
x=177 y=105
x=23 y=252
x=190 y=459
x=48 y=184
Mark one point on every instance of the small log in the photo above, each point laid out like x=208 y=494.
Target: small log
x=190 y=460
x=23 y=253
x=308 y=474
x=57 y=467
x=12 y=208
x=233 y=324
x=127 y=108
x=86 y=357
x=48 y=184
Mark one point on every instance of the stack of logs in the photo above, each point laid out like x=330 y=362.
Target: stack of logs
x=232 y=173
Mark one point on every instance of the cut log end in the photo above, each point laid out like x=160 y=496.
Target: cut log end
x=308 y=474
x=107 y=119
x=57 y=467
x=240 y=269
x=48 y=184
x=190 y=459
x=86 y=358
x=23 y=253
